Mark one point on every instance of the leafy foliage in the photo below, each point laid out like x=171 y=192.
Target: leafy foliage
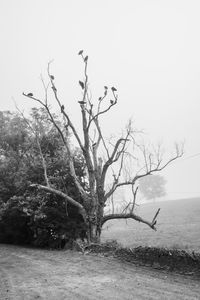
x=29 y=216
x=14 y=222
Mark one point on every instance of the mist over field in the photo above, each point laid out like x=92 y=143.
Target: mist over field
x=178 y=226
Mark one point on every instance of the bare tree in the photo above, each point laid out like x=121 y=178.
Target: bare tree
x=105 y=161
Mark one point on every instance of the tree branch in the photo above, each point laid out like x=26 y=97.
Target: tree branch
x=70 y=124
x=43 y=163
x=61 y=194
x=66 y=144
x=132 y=216
x=112 y=158
x=39 y=147
x=150 y=170
x=101 y=112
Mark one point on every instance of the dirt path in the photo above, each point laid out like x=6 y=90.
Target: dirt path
x=41 y=274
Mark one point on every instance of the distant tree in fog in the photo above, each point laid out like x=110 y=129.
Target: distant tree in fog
x=152 y=186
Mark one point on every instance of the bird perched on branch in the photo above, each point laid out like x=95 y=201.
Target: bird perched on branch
x=113 y=89
x=53 y=88
x=105 y=87
x=62 y=108
x=86 y=58
x=80 y=52
x=82 y=102
x=111 y=101
x=30 y=95
x=93 y=145
x=82 y=84
x=52 y=77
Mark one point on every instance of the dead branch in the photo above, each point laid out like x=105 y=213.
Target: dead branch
x=60 y=194
x=62 y=108
x=101 y=138
x=154 y=219
x=43 y=163
x=113 y=158
x=102 y=112
x=66 y=144
x=152 y=168
x=132 y=216
x=134 y=197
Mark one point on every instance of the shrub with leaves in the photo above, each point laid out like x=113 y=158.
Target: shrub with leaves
x=28 y=215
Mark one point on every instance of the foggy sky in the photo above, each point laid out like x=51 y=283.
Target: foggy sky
x=149 y=50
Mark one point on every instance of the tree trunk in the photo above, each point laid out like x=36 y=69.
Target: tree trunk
x=95 y=225
x=94 y=234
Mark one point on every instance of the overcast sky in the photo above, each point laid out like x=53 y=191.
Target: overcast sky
x=148 y=49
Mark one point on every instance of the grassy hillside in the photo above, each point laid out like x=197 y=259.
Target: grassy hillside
x=178 y=226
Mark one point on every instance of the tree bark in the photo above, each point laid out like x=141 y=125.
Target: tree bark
x=95 y=221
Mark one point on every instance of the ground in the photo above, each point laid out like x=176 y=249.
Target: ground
x=43 y=274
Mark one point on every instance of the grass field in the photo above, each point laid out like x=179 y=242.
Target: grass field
x=178 y=226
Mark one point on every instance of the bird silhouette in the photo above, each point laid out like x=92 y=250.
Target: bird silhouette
x=52 y=77
x=86 y=58
x=30 y=94
x=105 y=87
x=80 y=52
x=113 y=89
x=81 y=84
x=111 y=101
x=82 y=102
x=53 y=88
x=62 y=107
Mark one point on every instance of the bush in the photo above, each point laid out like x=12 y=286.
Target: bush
x=40 y=222
x=14 y=227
